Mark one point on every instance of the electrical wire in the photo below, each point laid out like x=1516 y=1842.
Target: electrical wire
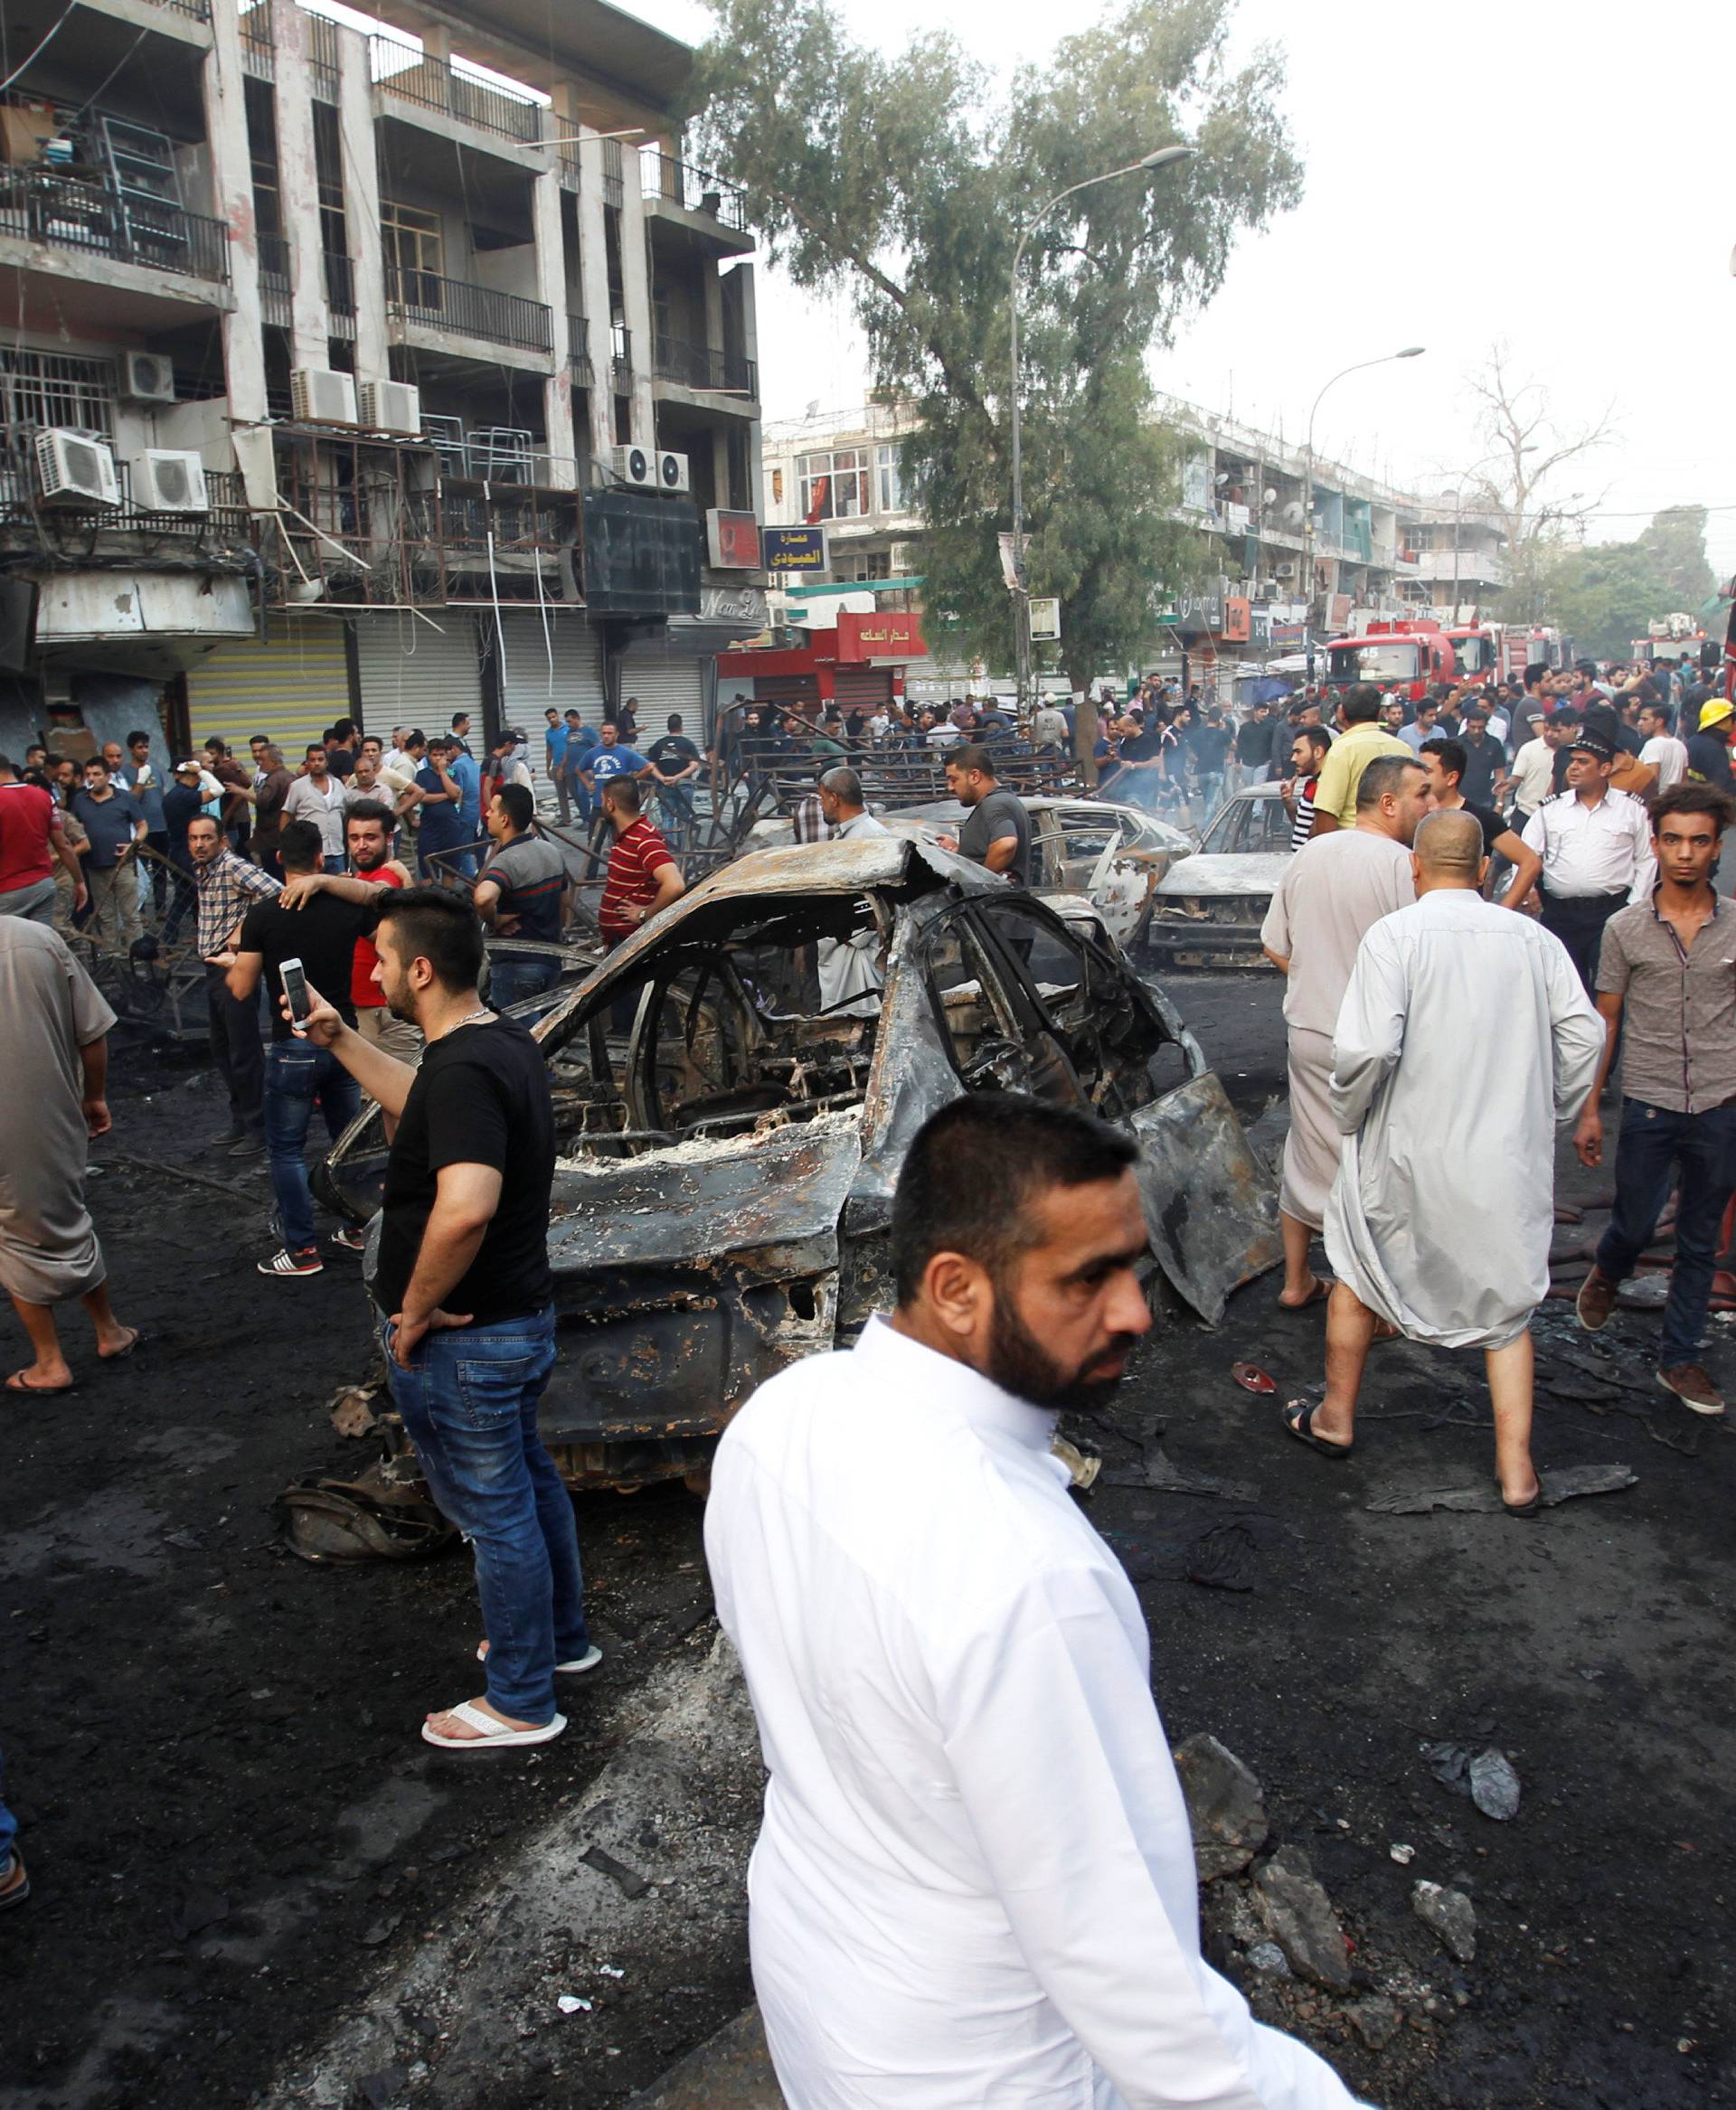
x=24 y=66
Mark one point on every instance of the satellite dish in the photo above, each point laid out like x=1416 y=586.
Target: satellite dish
x=1293 y=512
x=1267 y=496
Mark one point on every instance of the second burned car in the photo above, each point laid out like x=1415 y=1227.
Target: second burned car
x=730 y=1147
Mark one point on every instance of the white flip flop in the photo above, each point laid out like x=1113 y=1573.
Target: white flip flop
x=491 y=1735
x=592 y=1656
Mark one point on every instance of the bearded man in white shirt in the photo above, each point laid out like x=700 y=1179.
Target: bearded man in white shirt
x=975 y=1883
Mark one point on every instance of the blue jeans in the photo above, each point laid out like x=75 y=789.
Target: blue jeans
x=295 y=1070
x=1700 y=1148
x=469 y=1403
x=513 y=978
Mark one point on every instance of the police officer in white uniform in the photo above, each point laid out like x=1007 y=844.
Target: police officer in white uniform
x=1592 y=848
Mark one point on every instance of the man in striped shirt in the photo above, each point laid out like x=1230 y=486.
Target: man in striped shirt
x=643 y=877
x=1308 y=751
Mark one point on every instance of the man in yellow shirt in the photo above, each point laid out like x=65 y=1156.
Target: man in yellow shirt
x=1363 y=738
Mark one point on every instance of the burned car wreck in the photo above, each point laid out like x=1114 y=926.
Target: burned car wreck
x=729 y=1146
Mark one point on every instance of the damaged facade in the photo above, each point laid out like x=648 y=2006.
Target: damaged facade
x=729 y=1148
x=355 y=371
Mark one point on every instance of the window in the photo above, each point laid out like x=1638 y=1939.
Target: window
x=53 y=387
x=778 y=485
x=414 y=252
x=835 y=487
x=890 y=484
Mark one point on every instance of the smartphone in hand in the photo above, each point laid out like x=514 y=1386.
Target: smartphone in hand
x=294 y=987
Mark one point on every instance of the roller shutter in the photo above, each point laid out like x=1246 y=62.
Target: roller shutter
x=409 y=674
x=792 y=689
x=293 y=687
x=666 y=679
x=527 y=686
x=867 y=685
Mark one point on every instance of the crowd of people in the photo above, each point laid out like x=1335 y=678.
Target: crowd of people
x=1026 y=1926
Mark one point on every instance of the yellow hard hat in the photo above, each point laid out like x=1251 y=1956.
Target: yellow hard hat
x=1713 y=714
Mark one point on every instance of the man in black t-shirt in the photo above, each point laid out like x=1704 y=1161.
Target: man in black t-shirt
x=462 y=1279
x=676 y=761
x=321 y=933
x=1444 y=762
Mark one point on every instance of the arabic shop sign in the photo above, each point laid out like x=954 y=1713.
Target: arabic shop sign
x=793 y=548
x=880 y=636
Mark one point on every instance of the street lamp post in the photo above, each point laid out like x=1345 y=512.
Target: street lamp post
x=1386 y=359
x=1146 y=165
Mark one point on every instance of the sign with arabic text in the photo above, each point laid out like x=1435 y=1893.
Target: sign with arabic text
x=881 y=635
x=793 y=548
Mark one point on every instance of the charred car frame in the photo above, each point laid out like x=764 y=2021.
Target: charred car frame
x=729 y=1149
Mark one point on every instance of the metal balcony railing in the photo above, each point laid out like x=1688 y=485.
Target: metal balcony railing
x=322 y=55
x=472 y=311
x=259 y=53
x=614 y=178
x=620 y=357
x=200 y=10
x=703 y=366
x=697 y=189
x=277 y=286
x=579 y=351
x=415 y=77
x=226 y=519
x=64 y=214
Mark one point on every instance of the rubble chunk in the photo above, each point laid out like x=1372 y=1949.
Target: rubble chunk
x=1301 y=1920
x=1375 y=2021
x=1270 y=1959
x=1449 y=1916
x=1494 y=1785
x=1224 y=1806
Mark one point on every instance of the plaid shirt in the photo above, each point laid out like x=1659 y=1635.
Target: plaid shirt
x=809 y=820
x=228 y=887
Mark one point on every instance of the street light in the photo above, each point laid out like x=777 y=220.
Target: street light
x=1147 y=163
x=1386 y=359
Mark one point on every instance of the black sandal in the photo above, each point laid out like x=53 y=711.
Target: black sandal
x=1319 y=1295
x=1522 y=1508
x=1298 y=1419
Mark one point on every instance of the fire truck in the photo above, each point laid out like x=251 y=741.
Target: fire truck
x=1404 y=656
x=1501 y=652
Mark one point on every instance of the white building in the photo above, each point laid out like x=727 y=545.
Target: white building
x=364 y=374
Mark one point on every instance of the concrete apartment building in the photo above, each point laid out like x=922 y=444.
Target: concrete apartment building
x=1377 y=550
x=373 y=373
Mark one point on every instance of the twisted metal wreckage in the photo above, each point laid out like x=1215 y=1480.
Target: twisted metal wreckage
x=730 y=1148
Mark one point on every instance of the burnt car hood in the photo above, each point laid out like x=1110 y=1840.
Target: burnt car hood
x=1211 y=874
x=761 y=1208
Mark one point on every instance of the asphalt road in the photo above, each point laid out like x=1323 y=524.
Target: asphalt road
x=238 y=1844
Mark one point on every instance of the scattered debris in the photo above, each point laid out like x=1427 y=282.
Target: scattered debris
x=1270 y=1959
x=1174 y=1480
x=1448 y=1916
x=352 y=1410
x=569 y=2004
x=382 y=1930
x=198 y=1910
x=1403 y=1855
x=1494 y=1785
x=1224 y=1806
x=1557 y=1487
x=630 y=1883
x=1643 y=1292
x=1082 y=1466
x=1301 y=1918
x=1375 y=2021
x=378 y=2089
x=1252 y=1378
x=188 y=1541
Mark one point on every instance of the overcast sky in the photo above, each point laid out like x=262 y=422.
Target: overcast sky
x=1562 y=179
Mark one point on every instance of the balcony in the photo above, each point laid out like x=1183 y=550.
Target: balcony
x=578 y=352
x=702 y=366
x=419 y=298
x=322 y=55
x=620 y=359
x=61 y=212
x=227 y=520
x=410 y=75
x=277 y=286
x=259 y=45
x=665 y=180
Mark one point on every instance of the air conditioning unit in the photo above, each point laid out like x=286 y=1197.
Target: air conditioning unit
x=633 y=464
x=76 y=468
x=391 y=406
x=169 y=480
x=1283 y=571
x=147 y=377
x=672 y=472
x=319 y=395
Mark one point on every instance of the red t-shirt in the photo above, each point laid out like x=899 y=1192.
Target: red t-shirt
x=366 y=992
x=638 y=855
x=28 y=816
